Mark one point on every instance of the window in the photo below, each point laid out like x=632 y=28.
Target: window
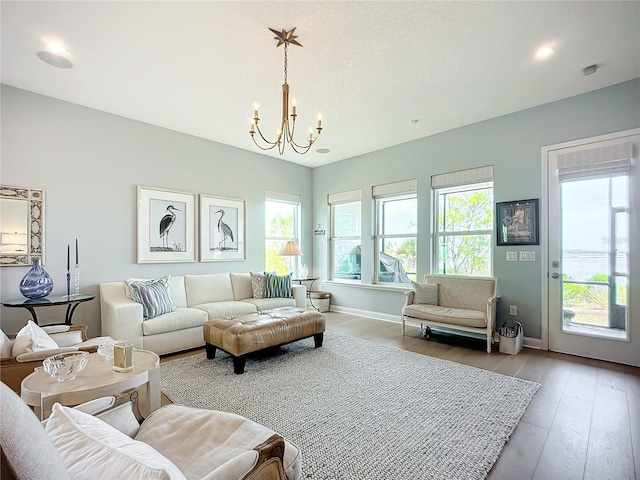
x=282 y=213
x=463 y=237
x=345 y=235
x=396 y=231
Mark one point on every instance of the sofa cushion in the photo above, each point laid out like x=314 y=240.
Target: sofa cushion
x=454 y=316
x=426 y=293
x=90 y=447
x=179 y=319
x=277 y=285
x=177 y=291
x=241 y=284
x=257 y=284
x=226 y=309
x=215 y=287
x=153 y=295
x=263 y=304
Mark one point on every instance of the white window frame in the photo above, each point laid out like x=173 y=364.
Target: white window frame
x=288 y=199
x=336 y=200
x=468 y=180
x=388 y=193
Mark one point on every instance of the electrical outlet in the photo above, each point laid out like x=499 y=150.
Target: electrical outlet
x=513 y=310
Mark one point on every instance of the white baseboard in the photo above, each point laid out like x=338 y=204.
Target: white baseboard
x=528 y=342
x=367 y=313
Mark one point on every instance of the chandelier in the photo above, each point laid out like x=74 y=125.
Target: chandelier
x=286 y=130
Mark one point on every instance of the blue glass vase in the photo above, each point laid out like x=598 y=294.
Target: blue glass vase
x=37 y=282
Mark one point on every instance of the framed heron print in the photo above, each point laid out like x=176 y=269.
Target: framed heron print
x=222 y=229
x=166 y=226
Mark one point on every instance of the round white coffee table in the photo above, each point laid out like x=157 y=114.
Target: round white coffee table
x=41 y=391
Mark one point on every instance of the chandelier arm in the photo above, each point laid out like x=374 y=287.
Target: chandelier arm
x=273 y=144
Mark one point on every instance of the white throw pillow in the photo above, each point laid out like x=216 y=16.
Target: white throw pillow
x=32 y=338
x=6 y=345
x=91 y=448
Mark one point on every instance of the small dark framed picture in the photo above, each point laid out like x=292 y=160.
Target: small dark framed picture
x=517 y=222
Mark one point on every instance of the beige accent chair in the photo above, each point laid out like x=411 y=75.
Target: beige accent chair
x=463 y=303
x=104 y=439
x=69 y=338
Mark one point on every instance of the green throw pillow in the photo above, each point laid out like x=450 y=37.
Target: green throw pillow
x=277 y=286
x=426 y=293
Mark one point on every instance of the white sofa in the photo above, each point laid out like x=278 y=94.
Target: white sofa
x=197 y=298
x=461 y=303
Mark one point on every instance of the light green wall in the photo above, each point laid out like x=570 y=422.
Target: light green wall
x=89 y=163
x=512 y=144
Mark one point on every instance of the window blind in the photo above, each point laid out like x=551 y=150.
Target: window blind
x=344 y=197
x=396 y=188
x=607 y=161
x=283 y=197
x=463 y=177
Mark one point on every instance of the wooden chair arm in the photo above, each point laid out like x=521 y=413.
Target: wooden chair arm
x=270 y=457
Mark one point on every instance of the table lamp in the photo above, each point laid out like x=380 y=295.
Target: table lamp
x=290 y=249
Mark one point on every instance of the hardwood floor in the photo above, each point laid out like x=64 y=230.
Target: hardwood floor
x=583 y=423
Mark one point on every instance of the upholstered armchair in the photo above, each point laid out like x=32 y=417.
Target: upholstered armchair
x=14 y=369
x=104 y=439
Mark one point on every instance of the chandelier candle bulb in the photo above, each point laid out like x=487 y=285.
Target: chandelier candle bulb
x=255 y=110
x=293 y=107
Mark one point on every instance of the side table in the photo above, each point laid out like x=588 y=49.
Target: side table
x=71 y=301
x=41 y=391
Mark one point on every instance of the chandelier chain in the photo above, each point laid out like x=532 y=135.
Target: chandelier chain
x=286 y=45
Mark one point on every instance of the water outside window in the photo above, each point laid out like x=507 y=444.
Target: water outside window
x=595 y=255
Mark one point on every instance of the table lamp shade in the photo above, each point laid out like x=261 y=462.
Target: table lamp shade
x=290 y=249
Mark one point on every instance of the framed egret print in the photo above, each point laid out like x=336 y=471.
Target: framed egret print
x=222 y=229
x=166 y=226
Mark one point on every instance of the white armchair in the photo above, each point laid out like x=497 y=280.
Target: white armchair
x=103 y=439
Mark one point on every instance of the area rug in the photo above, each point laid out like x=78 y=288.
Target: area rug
x=363 y=411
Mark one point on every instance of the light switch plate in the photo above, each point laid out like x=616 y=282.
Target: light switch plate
x=527 y=256
x=512 y=256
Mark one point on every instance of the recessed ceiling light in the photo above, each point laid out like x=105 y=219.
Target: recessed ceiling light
x=323 y=150
x=544 y=52
x=56 y=47
x=415 y=120
x=591 y=69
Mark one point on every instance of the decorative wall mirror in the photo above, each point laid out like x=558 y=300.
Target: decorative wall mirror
x=21 y=225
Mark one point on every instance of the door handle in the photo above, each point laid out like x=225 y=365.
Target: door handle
x=555 y=275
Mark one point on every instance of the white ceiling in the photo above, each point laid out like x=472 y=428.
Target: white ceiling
x=369 y=67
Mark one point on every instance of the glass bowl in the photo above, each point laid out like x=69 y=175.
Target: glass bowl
x=106 y=350
x=64 y=367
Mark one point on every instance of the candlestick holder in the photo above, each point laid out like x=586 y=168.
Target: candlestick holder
x=76 y=280
x=68 y=283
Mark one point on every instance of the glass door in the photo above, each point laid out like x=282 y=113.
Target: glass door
x=592 y=266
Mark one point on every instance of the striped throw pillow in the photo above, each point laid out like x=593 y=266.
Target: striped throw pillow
x=153 y=295
x=277 y=286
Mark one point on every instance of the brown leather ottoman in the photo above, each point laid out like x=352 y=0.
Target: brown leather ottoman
x=249 y=333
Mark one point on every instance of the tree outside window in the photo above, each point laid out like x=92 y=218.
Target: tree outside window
x=464 y=233
x=281 y=225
